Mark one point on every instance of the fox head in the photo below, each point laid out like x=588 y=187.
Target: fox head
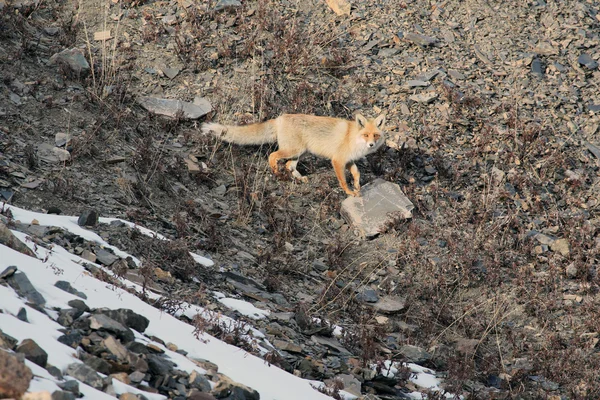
x=370 y=131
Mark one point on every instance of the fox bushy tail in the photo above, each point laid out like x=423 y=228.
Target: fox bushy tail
x=260 y=133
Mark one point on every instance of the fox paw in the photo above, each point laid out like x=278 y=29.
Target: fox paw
x=353 y=193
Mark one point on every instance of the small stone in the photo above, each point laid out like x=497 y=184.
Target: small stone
x=287 y=346
x=104 y=323
x=73 y=58
x=8 y=239
x=121 y=377
x=8 y=272
x=128 y=318
x=340 y=7
x=33 y=352
x=416 y=83
x=587 y=61
x=137 y=377
x=51 y=31
x=390 y=305
x=66 y=286
x=572 y=271
x=429 y=170
x=331 y=344
x=98 y=364
x=62 y=154
x=88 y=255
x=199 y=381
x=62 y=395
x=351 y=384
x=537 y=68
x=72 y=339
x=70 y=385
x=226 y=388
x=159 y=365
x=561 y=246
x=169 y=20
x=456 y=75
x=115 y=348
x=423 y=98
x=7 y=341
x=369 y=295
x=61 y=139
x=224 y=4
x=419 y=39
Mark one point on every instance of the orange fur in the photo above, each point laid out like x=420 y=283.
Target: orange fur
x=339 y=140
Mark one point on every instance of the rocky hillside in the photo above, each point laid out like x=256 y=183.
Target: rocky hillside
x=492 y=126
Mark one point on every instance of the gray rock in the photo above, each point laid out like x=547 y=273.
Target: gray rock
x=414 y=354
x=73 y=58
x=380 y=205
x=331 y=344
x=128 y=318
x=287 y=346
x=72 y=339
x=88 y=218
x=138 y=376
x=33 y=352
x=390 y=305
x=86 y=375
x=61 y=154
x=97 y=364
x=368 y=295
x=572 y=271
x=172 y=108
x=223 y=4
x=159 y=365
x=21 y=284
x=199 y=381
x=70 y=385
x=421 y=40
x=8 y=239
x=587 y=61
x=537 y=68
x=104 y=323
x=61 y=139
x=78 y=304
x=55 y=372
x=116 y=348
x=424 y=98
x=62 y=395
x=66 y=286
x=593 y=108
x=105 y=257
x=67 y=316
x=416 y=83
x=22 y=314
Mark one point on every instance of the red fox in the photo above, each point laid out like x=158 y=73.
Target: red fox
x=339 y=140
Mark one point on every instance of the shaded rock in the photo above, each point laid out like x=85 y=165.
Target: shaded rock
x=414 y=354
x=368 y=295
x=86 y=375
x=7 y=341
x=73 y=58
x=88 y=218
x=287 y=346
x=72 y=339
x=105 y=257
x=55 y=372
x=104 y=323
x=424 y=98
x=22 y=314
x=226 y=388
x=128 y=318
x=15 y=376
x=9 y=271
x=172 y=108
x=66 y=317
x=537 y=68
x=390 y=305
x=331 y=344
x=66 y=286
x=78 y=304
x=8 y=239
x=159 y=365
x=587 y=61
x=199 y=381
x=421 y=40
x=98 y=364
x=21 y=284
x=380 y=205
x=33 y=352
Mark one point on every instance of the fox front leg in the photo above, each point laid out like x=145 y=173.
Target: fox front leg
x=338 y=167
x=291 y=166
x=355 y=175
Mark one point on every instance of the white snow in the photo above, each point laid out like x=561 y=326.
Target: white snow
x=58 y=264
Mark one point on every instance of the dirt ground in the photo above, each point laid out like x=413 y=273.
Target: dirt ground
x=492 y=126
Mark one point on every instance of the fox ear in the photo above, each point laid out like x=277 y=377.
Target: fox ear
x=379 y=121
x=361 y=121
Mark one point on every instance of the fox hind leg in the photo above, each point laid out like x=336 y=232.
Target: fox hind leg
x=291 y=166
x=282 y=154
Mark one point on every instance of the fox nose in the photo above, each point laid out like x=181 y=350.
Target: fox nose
x=371 y=144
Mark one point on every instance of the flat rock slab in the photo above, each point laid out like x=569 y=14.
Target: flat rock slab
x=381 y=204
x=171 y=108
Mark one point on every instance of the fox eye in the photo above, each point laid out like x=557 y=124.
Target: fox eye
x=366 y=135
x=377 y=137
